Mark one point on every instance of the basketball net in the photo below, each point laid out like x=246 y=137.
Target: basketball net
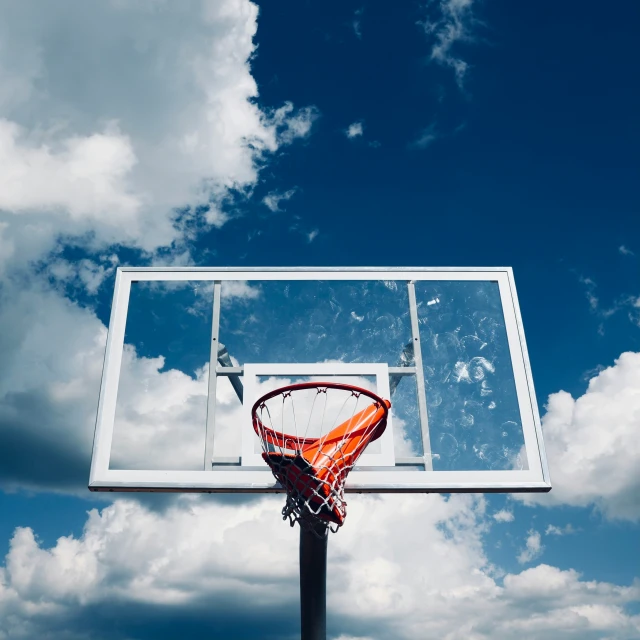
x=312 y=435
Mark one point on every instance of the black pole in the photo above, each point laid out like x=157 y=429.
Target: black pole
x=313 y=583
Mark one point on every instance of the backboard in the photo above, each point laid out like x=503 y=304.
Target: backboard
x=190 y=350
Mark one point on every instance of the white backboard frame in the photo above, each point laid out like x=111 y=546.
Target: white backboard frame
x=249 y=480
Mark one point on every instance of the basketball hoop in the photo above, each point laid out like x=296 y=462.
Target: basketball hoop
x=312 y=434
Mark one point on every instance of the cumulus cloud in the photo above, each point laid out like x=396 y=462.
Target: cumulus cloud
x=273 y=199
x=292 y=124
x=160 y=416
x=503 y=516
x=553 y=530
x=560 y=603
x=354 y=130
x=234 y=290
x=83 y=274
x=425 y=138
x=449 y=23
x=127 y=557
x=51 y=352
x=403 y=566
x=85 y=176
x=533 y=548
x=625 y=251
x=157 y=112
x=592 y=444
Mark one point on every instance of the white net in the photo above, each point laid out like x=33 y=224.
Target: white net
x=312 y=435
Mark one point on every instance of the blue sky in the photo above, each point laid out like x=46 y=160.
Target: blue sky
x=461 y=132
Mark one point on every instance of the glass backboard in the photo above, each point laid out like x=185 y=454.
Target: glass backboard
x=191 y=349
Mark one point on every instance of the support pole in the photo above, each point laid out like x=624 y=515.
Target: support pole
x=313 y=583
x=213 y=378
x=422 y=393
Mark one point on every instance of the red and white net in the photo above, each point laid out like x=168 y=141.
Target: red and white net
x=312 y=435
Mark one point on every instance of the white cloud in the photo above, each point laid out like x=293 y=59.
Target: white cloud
x=357 y=22
x=625 y=251
x=503 y=516
x=158 y=112
x=161 y=413
x=630 y=303
x=405 y=567
x=426 y=137
x=51 y=352
x=533 y=548
x=590 y=287
x=552 y=530
x=297 y=226
x=86 y=176
x=233 y=290
x=85 y=274
x=291 y=124
x=592 y=444
x=160 y=416
x=451 y=25
x=559 y=602
x=129 y=553
x=354 y=130
x=272 y=200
